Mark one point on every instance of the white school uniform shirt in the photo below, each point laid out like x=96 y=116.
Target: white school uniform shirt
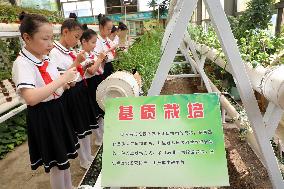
x=60 y=56
x=102 y=47
x=115 y=40
x=90 y=57
x=26 y=74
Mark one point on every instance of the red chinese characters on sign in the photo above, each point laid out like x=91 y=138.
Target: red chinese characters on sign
x=125 y=113
x=171 y=111
x=148 y=111
x=195 y=110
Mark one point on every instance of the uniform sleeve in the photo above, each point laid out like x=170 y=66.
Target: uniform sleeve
x=23 y=75
x=56 y=58
x=116 y=40
x=53 y=58
x=99 y=47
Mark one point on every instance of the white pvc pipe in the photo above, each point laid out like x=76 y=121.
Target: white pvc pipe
x=9 y=105
x=14 y=27
x=4 y=99
x=232 y=112
x=268 y=82
x=12 y=113
x=5 y=90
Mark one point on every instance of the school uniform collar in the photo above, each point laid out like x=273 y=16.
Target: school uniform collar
x=104 y=41
x=61 y=47
x=31 y=58
x=90 y=55
x=87 y=55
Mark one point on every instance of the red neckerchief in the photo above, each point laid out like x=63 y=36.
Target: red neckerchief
x=112 y=51
x=79 y=67
x=73 y=56
x=45 y=75
x=93 y=57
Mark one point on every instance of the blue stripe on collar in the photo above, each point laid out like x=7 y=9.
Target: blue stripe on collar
x=62 y=49
x=29 y=59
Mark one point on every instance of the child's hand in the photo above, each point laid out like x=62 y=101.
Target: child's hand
x=138 y=78
x=81 y=57
x=69 y=75
x=102 y=56
x=88 y=64
x=72 y=84
x=66 y=86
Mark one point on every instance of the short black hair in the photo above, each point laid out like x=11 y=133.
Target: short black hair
x=30 y=23
x=87 y=34
x=70 y=24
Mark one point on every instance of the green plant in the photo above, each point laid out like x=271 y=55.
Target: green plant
x=9 y=14
x=94 y=170
x=152 y=4
x=257 y=16
x=144 y=56
x=9 y=49
x=162 y=8
x=12 y=133
x=257 y=47
x=180 y=69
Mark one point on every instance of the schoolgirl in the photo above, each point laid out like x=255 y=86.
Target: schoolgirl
x=104 y=44
x=76 y=100
x=114 y=37
x=94 y=74
x=51 y=140
x=122 y=35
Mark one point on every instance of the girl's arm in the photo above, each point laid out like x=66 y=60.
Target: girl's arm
x=36 y=95
x=80 y=58
x=92 y=70
x=112 y=48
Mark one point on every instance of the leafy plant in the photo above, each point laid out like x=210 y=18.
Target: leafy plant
x=9 y=49
x=12 y=133
x=144 y=56
x=94 y=170
x=257 y=47
x=257 y=16
x=9 y=14
x=162 y=8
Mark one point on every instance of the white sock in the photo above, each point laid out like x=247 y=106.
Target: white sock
x=57 y=178
x=100 y=131
x=91 y=138
x=101 y=125
x=87 y=147
x=98 y=138
x=81 y=153
x=67 y=179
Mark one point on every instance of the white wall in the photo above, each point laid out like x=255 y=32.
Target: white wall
x=241 y=5
x=83 y=8
x=98 y=7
